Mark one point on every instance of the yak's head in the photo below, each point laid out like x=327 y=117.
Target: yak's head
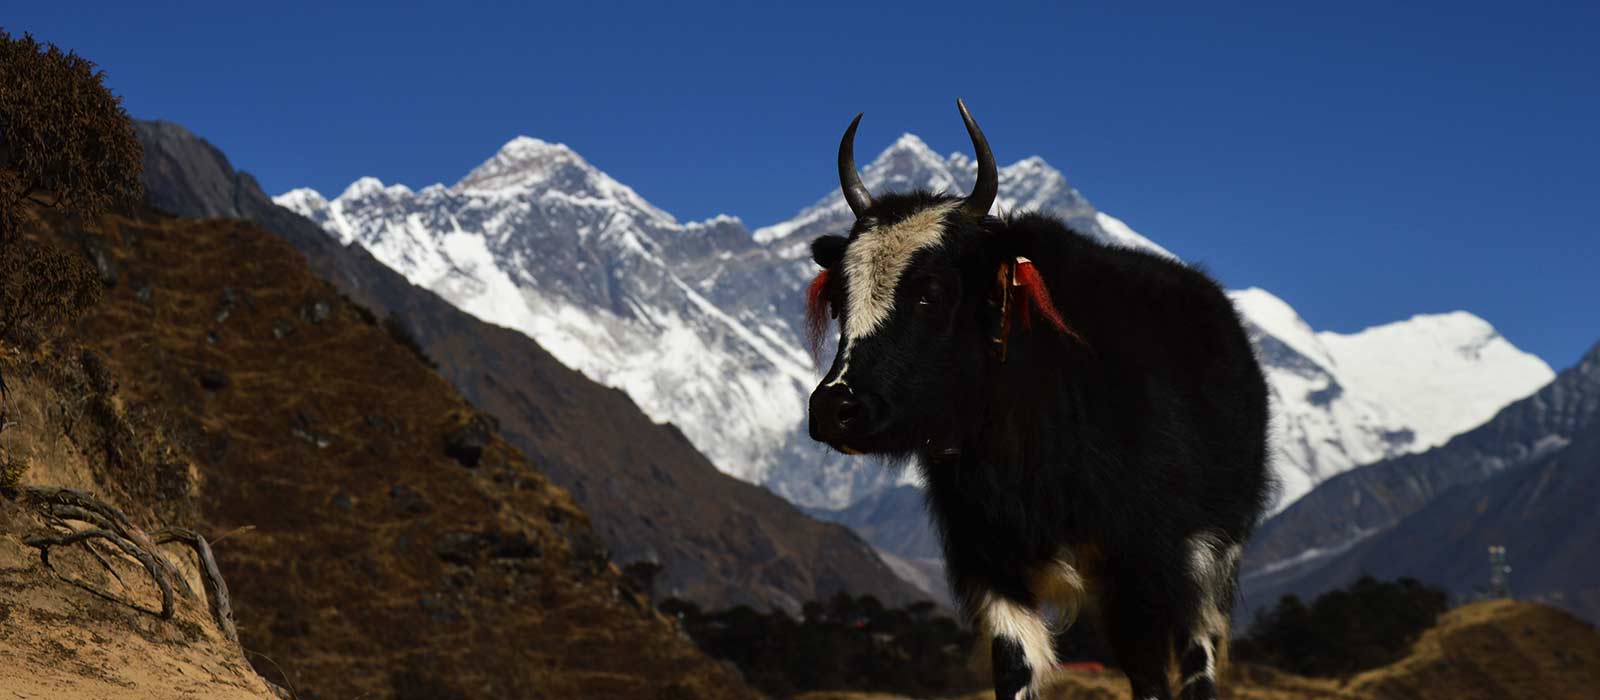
x=913 y=288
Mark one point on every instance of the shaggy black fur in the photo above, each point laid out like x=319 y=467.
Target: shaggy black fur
x=1149 y=432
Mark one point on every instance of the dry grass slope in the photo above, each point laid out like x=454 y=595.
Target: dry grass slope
x=1497 y=650
x=376 y=565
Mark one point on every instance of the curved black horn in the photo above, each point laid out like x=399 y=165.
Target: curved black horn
x=849 y=180
x=988 y=184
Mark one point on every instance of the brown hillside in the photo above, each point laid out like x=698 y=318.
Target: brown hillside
x=650 y=494
x=377 y=564
x=64 y=424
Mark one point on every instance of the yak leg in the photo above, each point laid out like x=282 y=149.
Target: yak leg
x=1197 y=667
x=1139 y=618
x=1022 y=648
x=1213 y=569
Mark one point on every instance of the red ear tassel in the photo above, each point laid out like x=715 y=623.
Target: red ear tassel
x=816 y=313
x=1036 y=296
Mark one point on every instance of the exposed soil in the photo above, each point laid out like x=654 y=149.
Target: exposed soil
x=73 y=630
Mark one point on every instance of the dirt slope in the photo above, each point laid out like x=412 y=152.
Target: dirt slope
x=60 y=642
x=398 y=546
x=65 y=424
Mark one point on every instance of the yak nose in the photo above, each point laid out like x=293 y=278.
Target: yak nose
x=836 y=414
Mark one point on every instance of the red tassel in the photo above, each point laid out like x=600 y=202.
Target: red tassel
x=816 y=313
x=1036 y=296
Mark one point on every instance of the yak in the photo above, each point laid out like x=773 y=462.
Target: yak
x=1090 y=421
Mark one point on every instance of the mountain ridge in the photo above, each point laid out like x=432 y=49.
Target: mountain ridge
x=739 y=394
x=651 y=495
x=1343 y=518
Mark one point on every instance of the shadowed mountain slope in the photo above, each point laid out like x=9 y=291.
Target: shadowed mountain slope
x=1528 y=479
x=650 y=494
x=379 y=537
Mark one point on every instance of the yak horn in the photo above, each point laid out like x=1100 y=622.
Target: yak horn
x=988 y=185
x=855 y=193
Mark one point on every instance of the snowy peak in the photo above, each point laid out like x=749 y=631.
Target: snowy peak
x=302 y=200
x=373 y=187
x=525 y=163
x=1276 y=318
x=1342 y=401
x=527 y=166
x=1030 y=184
x=1438 y=372
x=907 y=164
x=699 y=322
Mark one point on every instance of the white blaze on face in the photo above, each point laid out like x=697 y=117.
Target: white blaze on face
x=875 y=260
x=872 y=267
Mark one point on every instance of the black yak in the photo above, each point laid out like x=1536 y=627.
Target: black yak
x=1090 y=420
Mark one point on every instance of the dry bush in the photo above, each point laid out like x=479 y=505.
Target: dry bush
x=42 y=287
x=65 y=140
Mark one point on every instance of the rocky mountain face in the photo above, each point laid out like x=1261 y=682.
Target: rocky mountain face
x=650 y=495
x=1526 y=479
x=895 y=520
x=699 y=322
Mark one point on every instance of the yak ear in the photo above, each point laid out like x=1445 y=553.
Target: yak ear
x=827 y=251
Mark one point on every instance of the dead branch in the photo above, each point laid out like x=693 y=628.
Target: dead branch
x=216 y=587
x=45 y=541
x=59 y=506
x=95 y=550
x=63 y=503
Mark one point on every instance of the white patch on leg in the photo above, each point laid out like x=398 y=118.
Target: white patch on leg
x=1000 y=617
x=1210 y=671
x=1211 y=565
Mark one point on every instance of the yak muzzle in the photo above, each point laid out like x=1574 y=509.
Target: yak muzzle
x=837 y=416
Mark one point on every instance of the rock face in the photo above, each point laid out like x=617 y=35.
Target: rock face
x=1528 y=479
x=650 y=494
x=699 y=322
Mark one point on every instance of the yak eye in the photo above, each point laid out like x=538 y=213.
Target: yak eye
x=929 y=292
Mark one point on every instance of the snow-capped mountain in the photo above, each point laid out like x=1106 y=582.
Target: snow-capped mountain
x=700 y=322
x=1341 y=401
x=538 y=240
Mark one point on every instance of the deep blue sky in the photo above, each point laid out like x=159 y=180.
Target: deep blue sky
x=1364 y=162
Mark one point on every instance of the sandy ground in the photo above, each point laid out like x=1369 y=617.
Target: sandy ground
x=61 y=641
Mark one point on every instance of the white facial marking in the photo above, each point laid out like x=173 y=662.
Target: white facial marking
x=875 y=260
